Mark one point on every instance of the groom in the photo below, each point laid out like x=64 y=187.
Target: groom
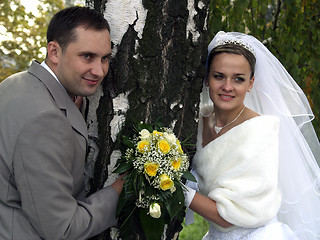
x=43 y=136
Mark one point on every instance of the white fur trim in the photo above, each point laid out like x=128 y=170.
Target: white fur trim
x=239 y=170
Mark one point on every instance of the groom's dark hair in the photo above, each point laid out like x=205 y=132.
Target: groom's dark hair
x=63 y=23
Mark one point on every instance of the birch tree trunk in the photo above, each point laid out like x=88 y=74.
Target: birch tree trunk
x=159 y=51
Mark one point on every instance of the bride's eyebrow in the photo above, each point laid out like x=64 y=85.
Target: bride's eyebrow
x=236 y=74
x=216 y=72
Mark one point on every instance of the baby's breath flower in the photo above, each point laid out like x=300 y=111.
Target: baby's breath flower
x=128 y=154
x=173 y=189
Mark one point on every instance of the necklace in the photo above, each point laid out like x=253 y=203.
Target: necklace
x=218 y=129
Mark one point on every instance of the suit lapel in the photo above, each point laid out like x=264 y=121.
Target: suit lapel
x=61 y=97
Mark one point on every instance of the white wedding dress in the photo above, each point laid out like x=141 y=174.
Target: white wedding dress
x=239 y=170
x=274 y=230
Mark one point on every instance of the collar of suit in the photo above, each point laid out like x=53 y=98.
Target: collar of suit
x=61 y=98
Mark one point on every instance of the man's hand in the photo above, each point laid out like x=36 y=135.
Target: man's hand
x=118 y=184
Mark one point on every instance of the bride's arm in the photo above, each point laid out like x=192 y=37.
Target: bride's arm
x=207 y=208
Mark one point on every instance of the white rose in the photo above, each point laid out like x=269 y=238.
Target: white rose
x=144 y=134
x=170 y=137
x=155 y=210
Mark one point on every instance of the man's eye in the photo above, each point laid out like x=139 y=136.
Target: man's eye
x=106 y=59
x=86 y=56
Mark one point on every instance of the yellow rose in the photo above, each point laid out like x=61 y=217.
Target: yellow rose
x=156 y=133
x=142 y=146
x=151 y=168
x=176 y=163
x=164 y=146
x=165 y=182
x=179 y=147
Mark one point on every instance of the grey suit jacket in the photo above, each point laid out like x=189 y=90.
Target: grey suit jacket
x=43 y=140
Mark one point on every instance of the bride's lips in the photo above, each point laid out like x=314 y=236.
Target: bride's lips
x=226 y=97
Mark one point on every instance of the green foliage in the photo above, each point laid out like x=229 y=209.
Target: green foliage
x=26 y=34
x=148 y=223
x=196 y=230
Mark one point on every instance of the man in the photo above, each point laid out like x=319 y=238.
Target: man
x=43 y=136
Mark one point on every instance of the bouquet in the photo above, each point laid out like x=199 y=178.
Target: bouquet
x=153 y=192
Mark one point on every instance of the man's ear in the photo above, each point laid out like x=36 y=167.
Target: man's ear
x=53 y=52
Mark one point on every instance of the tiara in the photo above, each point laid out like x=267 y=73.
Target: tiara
x=237 y=42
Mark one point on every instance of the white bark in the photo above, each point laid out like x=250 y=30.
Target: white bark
x=156 y=72
x=122 y=13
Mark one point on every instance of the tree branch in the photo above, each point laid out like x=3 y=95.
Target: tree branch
x=276 y=15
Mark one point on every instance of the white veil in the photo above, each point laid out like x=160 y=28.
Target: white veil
x=276 y=93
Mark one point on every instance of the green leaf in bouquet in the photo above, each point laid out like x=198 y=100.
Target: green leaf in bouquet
x=150 y=190
x=158 y=125
x=129 y=192
x=175 y=203
x=152 y=227
x=125 y=199
x=137 y=183
x=188 y=176
x=150 y=127
x=141 y=126
x=165 y=195
x=128 y=216
x=128 y=142
x=127 y=220
x=123 y=167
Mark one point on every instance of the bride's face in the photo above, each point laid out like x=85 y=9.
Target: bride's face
x=229 y=81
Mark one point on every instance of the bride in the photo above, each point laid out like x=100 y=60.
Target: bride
x=255 y=162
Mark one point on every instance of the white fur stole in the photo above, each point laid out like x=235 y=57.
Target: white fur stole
x=239 y=170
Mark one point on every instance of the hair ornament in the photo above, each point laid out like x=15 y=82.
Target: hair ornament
x=222 y=38
x=237 y=42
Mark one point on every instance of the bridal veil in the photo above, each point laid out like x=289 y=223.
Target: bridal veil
x=276 y=93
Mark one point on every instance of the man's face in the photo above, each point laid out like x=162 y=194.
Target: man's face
x=84 y=63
